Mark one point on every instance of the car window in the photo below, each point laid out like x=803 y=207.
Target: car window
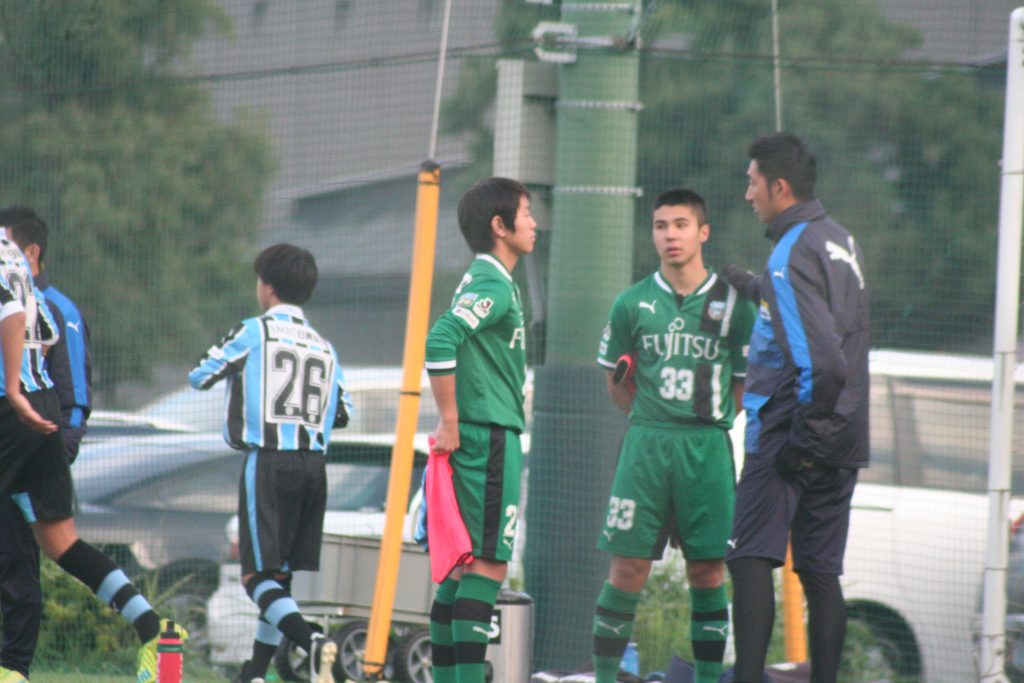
x=206 y=487
x=935 y=434
x=362 y=488
x=376 y=411
x=883 y=435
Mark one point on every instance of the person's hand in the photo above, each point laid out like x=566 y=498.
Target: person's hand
x=623 y=373
x=742 y=279
x=28 y=415
x=792 y=459
x=446 y=437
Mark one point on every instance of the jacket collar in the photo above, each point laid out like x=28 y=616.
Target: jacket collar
x=286 y=309
x=798 y=213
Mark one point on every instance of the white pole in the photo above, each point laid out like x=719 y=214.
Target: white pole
x=436 y=119
x=776 y=65
x=1011 y=207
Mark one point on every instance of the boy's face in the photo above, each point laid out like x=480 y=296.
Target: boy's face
x=678 y=234
x=264 y=293
x=525 y=236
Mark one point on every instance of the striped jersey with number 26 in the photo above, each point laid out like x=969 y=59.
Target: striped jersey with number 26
x=285 y=386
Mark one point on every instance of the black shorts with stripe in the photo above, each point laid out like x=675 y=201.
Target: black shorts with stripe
x=33 y=466
x=282 y=497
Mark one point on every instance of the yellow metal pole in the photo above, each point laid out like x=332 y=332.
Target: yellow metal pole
x=427 y=197
x=794 y=633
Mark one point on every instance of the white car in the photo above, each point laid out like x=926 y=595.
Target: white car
x=916 y=548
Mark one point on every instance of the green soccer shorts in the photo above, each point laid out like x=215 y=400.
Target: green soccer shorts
x=676 y=482
x=485 y=472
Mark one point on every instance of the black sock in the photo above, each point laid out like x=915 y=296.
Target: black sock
x=826 y=621
x=753 y=615
x=109 y=583
x=262 y=655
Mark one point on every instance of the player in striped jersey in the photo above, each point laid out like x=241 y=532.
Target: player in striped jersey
x=33 y=463
x=686 y=330
x=476 y=359
x=285 y=394
x=67 y=365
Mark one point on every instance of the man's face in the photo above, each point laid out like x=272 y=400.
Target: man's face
x=678 y=234
x=525 y=236
x=760 y=195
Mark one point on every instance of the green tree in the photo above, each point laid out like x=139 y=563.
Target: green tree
x=908 y=152
x=153 y=202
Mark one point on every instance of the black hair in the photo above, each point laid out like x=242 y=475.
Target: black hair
x=682 y=196
x=290 y=270
x=783 y=155
x=488 y=198
x=25 y=227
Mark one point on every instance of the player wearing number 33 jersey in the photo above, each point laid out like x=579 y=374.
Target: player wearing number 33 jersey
x=688 y=350
x=686 y=330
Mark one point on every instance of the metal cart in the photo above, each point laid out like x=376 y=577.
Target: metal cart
x=339 y=597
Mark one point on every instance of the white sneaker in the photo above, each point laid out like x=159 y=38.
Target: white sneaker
x=322 y=653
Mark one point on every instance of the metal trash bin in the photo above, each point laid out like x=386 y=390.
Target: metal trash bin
x=510 y=650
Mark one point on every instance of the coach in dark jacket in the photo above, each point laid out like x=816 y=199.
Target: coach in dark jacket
x=806 y=399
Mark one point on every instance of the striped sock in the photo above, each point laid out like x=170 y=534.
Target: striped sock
x=109 y=583
x=279 y=609
x=613 y=625
x=709 y=625
x=442 y=646
x=471 y=625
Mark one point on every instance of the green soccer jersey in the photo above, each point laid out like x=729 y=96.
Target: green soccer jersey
x=482 y=339
x=688 y=349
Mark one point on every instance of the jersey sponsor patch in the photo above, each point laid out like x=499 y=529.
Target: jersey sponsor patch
x=483 y=307
x=467 y=317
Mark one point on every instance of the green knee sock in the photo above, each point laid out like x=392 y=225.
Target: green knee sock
x=441 y=645
x=709 y=626
x=613 y=625
x=471 y=625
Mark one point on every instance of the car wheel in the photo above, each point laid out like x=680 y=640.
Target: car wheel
x=292 y=662
x=880 y=646
x=413 y=657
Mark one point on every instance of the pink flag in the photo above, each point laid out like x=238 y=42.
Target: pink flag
x=447 y=538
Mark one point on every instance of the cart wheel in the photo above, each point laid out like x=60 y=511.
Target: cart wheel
x=291 y=662
x=351 y=640
x=413 y=657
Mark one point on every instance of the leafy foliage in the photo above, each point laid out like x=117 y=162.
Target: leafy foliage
x=152 y=202
x=907 y=152
x=78 y=628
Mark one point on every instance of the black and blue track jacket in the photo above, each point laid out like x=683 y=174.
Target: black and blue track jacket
x=807 y=376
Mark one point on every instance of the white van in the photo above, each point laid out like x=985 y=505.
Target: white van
x=917 y=542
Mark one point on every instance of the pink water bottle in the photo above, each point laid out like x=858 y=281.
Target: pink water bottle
x=169 y=656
